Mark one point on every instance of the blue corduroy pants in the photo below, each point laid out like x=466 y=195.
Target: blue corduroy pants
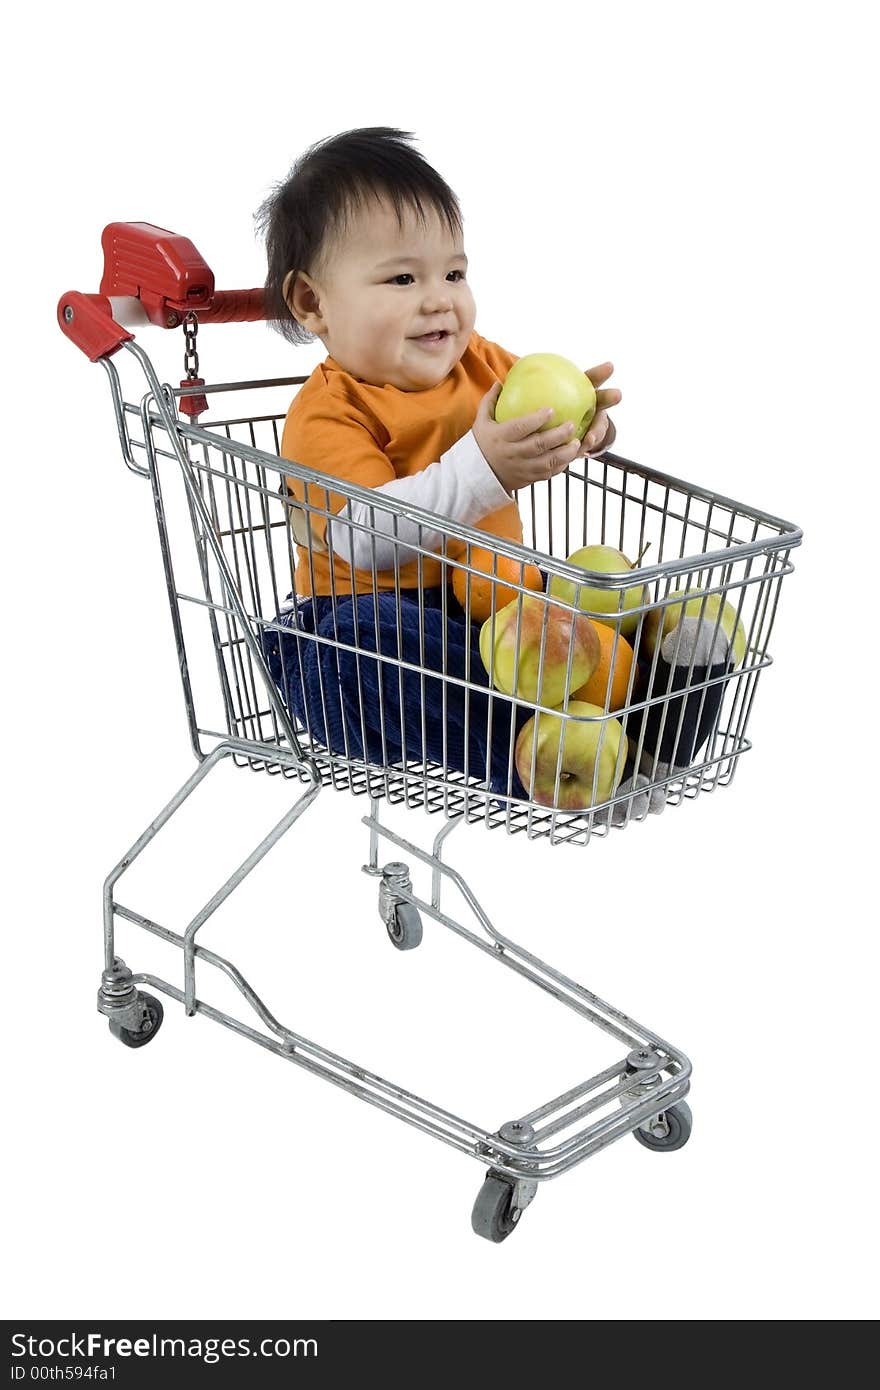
x=365 y=706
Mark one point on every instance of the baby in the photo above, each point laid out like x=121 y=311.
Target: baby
x=366 y=252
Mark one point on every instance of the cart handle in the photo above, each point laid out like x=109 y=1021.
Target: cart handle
x=87 y=320
x=150 y=276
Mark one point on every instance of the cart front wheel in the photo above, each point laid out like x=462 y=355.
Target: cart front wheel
x=152 y=1014
x=678 y=1124
x=494 y=1215
x=405 y=927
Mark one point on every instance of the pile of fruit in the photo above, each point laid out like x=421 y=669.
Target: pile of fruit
x=585 y=667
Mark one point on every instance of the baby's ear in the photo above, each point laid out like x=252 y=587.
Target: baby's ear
x=301 y=298
x=287 y=288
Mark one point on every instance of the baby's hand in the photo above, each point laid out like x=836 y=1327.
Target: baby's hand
x=601 y=434
x=518 y=451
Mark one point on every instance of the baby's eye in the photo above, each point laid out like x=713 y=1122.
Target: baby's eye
x=405 y=275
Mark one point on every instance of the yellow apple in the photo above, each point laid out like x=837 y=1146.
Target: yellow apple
x=511 y=648
x=603 y=605
x=665 y=619
x=588 y=737
x=542 y=380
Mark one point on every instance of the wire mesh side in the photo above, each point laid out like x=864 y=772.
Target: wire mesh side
x=388 y=699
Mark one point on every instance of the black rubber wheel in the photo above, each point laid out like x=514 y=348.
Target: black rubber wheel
x=152 y=1014
x=405 y=927
x=680 y=1122
x=492 y=1216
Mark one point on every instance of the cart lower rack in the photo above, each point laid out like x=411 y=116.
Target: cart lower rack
x=390 y=695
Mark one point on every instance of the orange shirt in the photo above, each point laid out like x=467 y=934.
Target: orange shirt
x=371 y=435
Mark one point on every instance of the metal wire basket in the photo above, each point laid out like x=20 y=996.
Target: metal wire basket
x=709 y=552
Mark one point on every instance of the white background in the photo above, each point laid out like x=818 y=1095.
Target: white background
x=682 y=189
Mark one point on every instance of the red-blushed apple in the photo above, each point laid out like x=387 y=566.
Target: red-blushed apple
x=594 y=746
x=513 y=645
x=603 y=605
x=541 y=380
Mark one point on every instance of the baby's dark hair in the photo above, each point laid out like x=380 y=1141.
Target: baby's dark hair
x=328 y=183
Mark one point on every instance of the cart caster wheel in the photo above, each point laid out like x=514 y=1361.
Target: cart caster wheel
x=494 y=1216
x=679 y=1120
x=151 y=1022
x=405 y=927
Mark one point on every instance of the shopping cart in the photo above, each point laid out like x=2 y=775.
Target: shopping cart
x=230 y=515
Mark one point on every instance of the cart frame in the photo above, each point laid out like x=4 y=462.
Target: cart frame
x=644 y=1091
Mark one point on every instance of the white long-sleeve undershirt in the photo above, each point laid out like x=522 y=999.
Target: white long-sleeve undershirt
x=460 y=486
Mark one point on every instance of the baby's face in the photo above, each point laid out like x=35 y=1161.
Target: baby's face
x=382 y=290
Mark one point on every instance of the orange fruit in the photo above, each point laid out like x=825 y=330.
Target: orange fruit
x=595 y=692
x=497 y=573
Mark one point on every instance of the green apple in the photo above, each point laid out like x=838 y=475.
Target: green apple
x=542 y=380
x=589 y=738
x=603 y=605
x=666 y=618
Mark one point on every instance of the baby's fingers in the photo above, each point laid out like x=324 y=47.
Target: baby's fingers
x=558 y=460
x=514 y=431
x=600 y=435
x=487 y=404
x=545 y=441
x=599 y=375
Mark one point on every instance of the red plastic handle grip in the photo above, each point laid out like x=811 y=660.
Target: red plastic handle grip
x=234 y=306
x=169 y=277
x=165 y=274
x=87 y=320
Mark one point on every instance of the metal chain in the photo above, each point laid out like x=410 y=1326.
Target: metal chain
x=190 y=356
